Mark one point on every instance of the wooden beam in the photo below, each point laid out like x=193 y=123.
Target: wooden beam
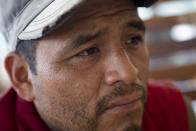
x=191 y=95
x=175 y=73
x=161 y=49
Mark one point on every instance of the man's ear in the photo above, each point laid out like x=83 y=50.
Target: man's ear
x=19 y=74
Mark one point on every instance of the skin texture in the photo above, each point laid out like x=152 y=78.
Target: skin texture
x=78 y=77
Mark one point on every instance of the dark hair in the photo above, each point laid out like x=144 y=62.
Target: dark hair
x=144 y=3
x=27 y=49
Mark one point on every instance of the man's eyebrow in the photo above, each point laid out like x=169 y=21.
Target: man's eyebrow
x=85 y=38
x=137 y=24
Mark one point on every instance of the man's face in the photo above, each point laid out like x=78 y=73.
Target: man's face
x=92 y=71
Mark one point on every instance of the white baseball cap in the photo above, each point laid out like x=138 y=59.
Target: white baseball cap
x=32 y=19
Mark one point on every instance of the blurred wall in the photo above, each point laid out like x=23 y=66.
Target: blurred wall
x=4 y=81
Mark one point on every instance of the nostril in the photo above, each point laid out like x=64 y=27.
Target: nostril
x=127 y=75
x=111 y=77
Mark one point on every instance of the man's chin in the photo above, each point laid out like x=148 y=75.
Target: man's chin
x=122 y=118
x=123 y=125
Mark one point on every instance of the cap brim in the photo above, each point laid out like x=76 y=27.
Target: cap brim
x=47 y=18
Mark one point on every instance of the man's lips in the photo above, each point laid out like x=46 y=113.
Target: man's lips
x=126 y=103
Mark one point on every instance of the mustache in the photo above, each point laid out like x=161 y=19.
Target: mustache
x=119 y=91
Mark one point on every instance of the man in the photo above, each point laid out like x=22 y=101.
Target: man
x=81 y=66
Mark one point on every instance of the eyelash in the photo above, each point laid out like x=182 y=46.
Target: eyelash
x=135 y=40
x=89 y=51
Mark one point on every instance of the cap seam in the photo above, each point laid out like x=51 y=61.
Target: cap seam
x=34 y=16
x=19 y=13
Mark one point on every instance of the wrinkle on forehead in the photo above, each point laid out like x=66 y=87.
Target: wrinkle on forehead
x=103 y=7
x=92 y=9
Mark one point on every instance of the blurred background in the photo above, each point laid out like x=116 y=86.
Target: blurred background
x=171 y=38
x=4 y=81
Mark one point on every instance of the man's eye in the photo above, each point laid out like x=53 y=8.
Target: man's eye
x=89 y=51
x=134 y=40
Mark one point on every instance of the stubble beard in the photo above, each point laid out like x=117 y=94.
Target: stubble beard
x=82 y=121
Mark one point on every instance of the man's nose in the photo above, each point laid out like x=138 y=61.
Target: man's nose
x=120 y=68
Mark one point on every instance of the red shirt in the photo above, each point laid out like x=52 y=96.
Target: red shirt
x=165 y=109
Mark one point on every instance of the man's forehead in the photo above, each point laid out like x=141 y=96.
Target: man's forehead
x=89 y=22
x=94 y=7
